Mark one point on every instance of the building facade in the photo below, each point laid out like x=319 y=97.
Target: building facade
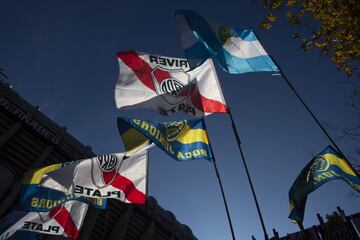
x=29 y=139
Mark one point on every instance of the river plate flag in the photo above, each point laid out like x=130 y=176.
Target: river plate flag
x=182 y=140
x=65 y=219
x=167 y=85
x=326 y=166
x=104 y=176
x=236 y=50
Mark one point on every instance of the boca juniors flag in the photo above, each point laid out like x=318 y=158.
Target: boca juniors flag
x=182 y=140
x=105 y=176
x=35 y=198
x=326 y=166
x=167 y=85
x=133 y=140
x=65 y=219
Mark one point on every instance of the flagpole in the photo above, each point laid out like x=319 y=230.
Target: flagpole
x=309 y=111
x=245 y=164
x=313 y=116
x=221 y=186
x=248 y=174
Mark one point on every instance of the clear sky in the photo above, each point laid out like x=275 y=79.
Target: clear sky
x=61 y=56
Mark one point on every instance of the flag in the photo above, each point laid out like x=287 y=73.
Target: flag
x=132 y=139
x=182 y=140
x=236 y=50
x=65 y=219
x=35 y=198
x=326 y=166
x=167 y=85
x=105 y=176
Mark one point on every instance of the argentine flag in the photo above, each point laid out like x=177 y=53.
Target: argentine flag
x=236 y=50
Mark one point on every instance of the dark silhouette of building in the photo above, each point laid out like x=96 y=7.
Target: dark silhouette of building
x=336 y=226
x=29 y=139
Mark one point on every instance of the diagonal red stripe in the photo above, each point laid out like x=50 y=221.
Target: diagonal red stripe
x=161 y=75
x=65 y=221
x=108 y=176
x=204 y=104
x=140 y=67
x=132 y=194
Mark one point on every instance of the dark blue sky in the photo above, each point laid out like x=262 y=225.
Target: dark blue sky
x=61 y=56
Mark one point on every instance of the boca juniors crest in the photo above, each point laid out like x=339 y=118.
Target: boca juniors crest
x=174 y=129
x=321 y=164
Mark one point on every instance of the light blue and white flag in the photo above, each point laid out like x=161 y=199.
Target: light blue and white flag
x=236 y=50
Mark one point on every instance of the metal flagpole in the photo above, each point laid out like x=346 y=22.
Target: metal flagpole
x=310 y=112
x=313 y=116
x=220 y=184
x=248 y=174
x=245 y=164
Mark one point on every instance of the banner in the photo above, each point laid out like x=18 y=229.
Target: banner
x=65 y=219
x=326 y=166
x=182 y=140
x=167 y=85
x=105 y=176
x=35 y=198
x=133 y=140
x=236 y=50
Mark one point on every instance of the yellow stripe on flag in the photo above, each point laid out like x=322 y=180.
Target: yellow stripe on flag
x=133 y=140
x=34 y=177
x=339 y=162
x=190 y=136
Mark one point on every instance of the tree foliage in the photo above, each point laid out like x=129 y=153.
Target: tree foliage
x=332 y=26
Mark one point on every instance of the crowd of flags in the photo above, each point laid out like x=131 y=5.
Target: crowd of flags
x=55 y=198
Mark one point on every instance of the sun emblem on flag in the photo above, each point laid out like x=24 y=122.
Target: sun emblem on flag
x=173 y=85
x=104 y=169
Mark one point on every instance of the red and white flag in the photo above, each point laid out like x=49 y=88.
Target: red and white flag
x=65 y=219
x=104 y=176
x=167 y=85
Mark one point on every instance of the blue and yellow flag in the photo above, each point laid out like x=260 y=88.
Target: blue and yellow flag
x=326 y=166
x=182 y=140
x=132 y=139
x=35 y=198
